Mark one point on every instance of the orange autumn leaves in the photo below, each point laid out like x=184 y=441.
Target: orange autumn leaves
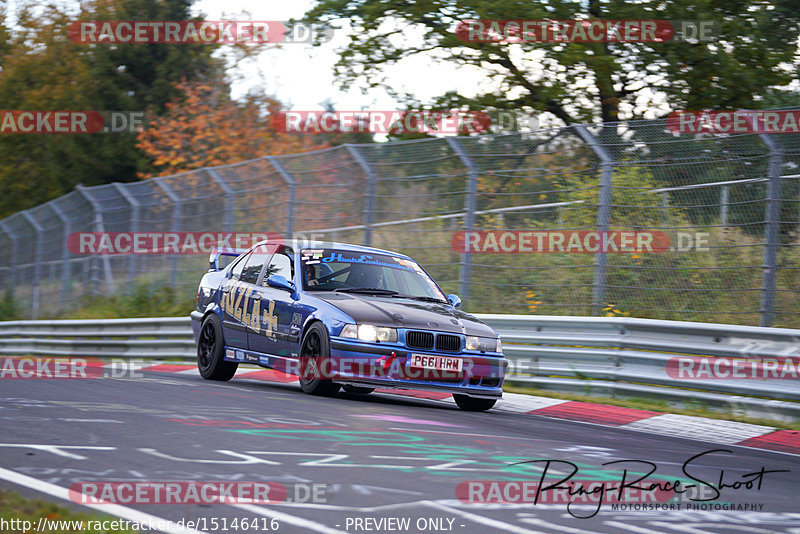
x=206 y=128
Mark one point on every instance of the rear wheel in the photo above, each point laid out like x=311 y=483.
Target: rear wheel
x=211 y=351
x=358 y=390
x=472 y=404
x=315 y=354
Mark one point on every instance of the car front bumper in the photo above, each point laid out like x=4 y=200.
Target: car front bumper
x=387 y=366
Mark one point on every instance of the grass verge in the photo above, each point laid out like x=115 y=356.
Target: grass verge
x=15 y=510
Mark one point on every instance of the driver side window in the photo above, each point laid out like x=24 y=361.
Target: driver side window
x=282 y=263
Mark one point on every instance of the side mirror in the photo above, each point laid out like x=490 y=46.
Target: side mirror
x=454 y=300
x=280 y=282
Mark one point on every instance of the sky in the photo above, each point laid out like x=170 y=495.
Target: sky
x=301 y=76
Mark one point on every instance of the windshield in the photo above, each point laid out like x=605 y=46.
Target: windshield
x=377 y=274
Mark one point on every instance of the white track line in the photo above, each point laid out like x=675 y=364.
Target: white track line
x=489 y=522
x=112 y=509
x=288 y=518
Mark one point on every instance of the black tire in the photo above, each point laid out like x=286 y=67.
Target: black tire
x=359 y=390
x=211 y=351
x=315 y=353
x=473 y=404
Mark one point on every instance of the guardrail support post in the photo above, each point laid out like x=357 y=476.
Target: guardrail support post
x=98 y=227
x=65 y=270
x=12 y=275
x=723 y=205
x=134 y=227
x=771 y=232
x=603 y=214
x=470 y=205
x=229 y=197
x=369 y=199
x=37 y=262
x=176 y=225
x=665 y=208
x=289 y=179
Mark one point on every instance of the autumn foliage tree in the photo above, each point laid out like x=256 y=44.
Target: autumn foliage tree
x=205 y=128
x=41 y=69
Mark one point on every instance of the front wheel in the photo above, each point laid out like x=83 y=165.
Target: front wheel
x=472 y=404
x=315 y=356
x=211 y=350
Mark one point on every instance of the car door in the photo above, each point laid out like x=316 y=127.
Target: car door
x=274 y=307
x=230 y=303
x=247 y=305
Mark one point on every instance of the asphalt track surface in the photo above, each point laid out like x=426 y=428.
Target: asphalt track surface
x=381 y=457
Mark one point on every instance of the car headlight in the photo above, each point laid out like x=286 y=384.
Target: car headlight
x=484 y=344
x=367 y=332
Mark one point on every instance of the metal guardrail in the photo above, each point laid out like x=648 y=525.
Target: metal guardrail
x=617 y=357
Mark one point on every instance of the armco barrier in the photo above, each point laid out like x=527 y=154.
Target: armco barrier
x=588 y=355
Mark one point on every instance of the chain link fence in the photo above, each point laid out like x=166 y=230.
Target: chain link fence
x=730 y=205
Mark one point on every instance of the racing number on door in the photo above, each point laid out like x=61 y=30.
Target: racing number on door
x=239 y=304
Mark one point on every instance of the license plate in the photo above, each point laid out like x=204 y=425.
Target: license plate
x=439 y=363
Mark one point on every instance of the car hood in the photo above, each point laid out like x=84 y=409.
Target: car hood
x=407 y=313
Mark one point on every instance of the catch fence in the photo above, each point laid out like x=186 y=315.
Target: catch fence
x=728 y=204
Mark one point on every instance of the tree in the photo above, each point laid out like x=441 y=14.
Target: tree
x=5 y=36
x=205 y=128
x=149 y=73
x=43 y=70
x=576 y=81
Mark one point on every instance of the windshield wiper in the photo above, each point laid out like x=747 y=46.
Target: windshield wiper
x=422 y=298
x=367 y=290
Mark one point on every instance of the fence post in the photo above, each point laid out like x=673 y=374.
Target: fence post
x=134 y=227
x=37 y=262
x=469 y=206
x=771 y=233
x=665 y=208
x=14 y=252
x=603 y=215
x=98 y=227
x=229 y=196
x=176 y=225
x=369 y=200
x=289 y=179
x=65 y=269
x=723 y=205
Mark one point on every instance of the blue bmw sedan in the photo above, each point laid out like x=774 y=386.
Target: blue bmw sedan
x=343 y=316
